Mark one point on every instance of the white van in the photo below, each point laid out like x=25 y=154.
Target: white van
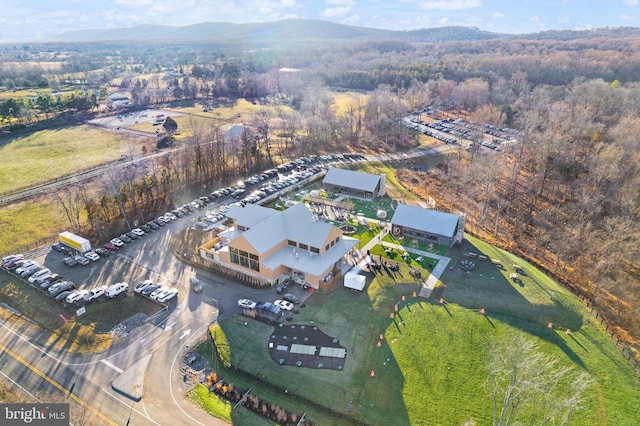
x=116 y=289
x=40 y=275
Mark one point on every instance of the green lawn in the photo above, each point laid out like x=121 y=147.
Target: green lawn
x=47 y=154
x=432 y=364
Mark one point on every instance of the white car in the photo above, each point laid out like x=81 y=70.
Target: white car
x=95 y=293
x=157 y=292
x=169 y=217
x=283 y=304
x=117 y=242
x=247 y=304
x=167 y=295
x=41 y=273
x=139 y=232
x=24 y=266
x=76 y=296
x=93 y=256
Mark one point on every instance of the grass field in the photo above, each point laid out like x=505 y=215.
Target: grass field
x=432 y=364
x=47 y=154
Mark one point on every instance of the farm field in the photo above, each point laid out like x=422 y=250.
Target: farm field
x=431 y=367
x=48 y=154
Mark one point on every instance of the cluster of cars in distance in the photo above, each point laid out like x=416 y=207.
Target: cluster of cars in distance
x=287 y=303
x=155 y=291
x=53 y=285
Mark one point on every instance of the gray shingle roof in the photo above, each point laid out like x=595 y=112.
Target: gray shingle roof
x=351 y=179
x=431 y=221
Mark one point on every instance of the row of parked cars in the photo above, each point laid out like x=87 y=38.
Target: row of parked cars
x=155 y=291
x=53 y=285
x=287 y=303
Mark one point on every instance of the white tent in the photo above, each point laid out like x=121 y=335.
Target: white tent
x=354 y=281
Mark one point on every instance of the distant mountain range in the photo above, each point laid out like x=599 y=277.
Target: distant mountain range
x=305 y=31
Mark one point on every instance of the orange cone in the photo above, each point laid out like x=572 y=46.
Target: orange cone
x=395 y=308
x=403 y=298
x=378 y=344
x=414 y=294
x=550 y=325
x=441 y=301
x=373 y=373
x=568 y=331
x=482 y=311
x=382 y=337
x=392 y=316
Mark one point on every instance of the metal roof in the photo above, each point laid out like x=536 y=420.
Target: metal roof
x=431 y=221
x=350 y=179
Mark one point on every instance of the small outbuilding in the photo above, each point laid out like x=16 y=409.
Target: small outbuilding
x=354 y=281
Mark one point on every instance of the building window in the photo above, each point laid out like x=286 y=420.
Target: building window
x=254 y=257
x=292 y=243
x=332 y=243
x=315 y=250
x=233 y=255
x=326 y=247
x=241 y=228
x=304 y=246
x=254 y=265
x=337 y=239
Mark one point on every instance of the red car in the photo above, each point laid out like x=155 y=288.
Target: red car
x=110 y=246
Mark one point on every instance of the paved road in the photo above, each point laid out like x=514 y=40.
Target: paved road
x=87 y=381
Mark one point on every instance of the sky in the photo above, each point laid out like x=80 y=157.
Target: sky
x=25 y=20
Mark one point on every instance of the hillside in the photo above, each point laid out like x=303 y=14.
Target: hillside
x=288 y=31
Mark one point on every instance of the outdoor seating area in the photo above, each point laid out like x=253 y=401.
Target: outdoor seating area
x=467 y=265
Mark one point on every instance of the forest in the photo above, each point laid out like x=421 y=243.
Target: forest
x=566 y=195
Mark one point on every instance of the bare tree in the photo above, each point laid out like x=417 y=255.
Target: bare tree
x=520 y=375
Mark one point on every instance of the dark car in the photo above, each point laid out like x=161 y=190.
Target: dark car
x=132 y=235
x=146 y=228
x=60 y=287
x=150 y=289
x=57 y=247
x=102 y=251
x=63 y=295
x=153 y=225
x=69 y=261
x=291 y=298
x=196 y=285
x=125 y=238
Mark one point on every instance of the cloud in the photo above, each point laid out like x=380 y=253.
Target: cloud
x=443 y=21
x=626 y=17
x=631 y=3
x=449 y=4
x=497 y=15
x=333 y=12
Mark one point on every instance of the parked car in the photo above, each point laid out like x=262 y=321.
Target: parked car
x=169 y=217
x=8 y=260
x=59 y=247
x=146 y=228
x=268 y=308
x=157 y=292
x=125 y=238
x=291 y=298
x=13 y=265
x=149 y=289
x=101 y=251
x=284 y=304
x=167 y=295
x=69 y=261
x=137 y=231
x=93 y=256
x=26 y=273
x=58 y=288
x=116 y=290
x=160 y=221
x=111 y=246
x=196 y=285
x=141 y=285
x=77 y=296
x=154 y=226
x=246 y=304
x=50 y=280
x=26 y=264
x=132 y=235
x=63 y=295
x=41 y=273
x=117 y=242
x=95 y=293
x=82 y=260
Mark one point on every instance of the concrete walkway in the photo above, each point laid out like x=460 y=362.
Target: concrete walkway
x=362 y=261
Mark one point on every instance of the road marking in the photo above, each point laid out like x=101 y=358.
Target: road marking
x=170 y=326
x=185 y=333
x=56 y=384
x=18 y=385
x=110 y=365
x=145 y=415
